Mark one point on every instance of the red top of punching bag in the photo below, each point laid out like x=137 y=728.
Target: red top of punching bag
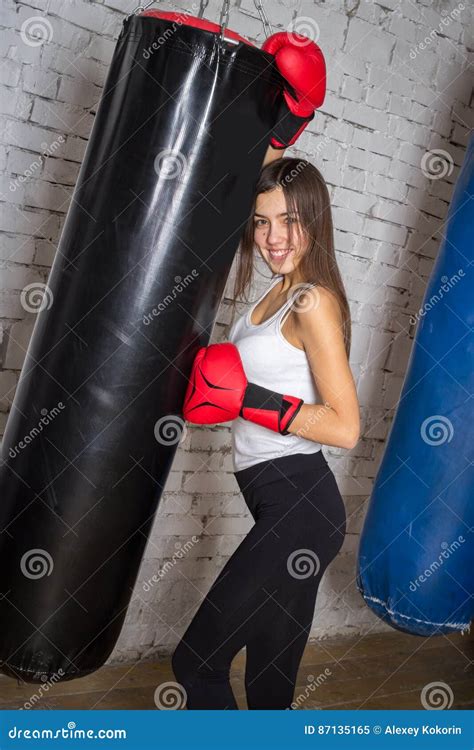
x=199 y=23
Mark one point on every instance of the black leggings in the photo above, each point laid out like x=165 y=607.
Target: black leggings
x=264 y=597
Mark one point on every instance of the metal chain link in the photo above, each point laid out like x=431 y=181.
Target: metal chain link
x=224 y=18
x=139 y=8
x=266 y=23
x=202 y=7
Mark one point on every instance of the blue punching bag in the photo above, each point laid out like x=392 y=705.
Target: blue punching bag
x=416 y=554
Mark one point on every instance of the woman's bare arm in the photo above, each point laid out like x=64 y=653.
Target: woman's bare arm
x=336 y=420
x=272 y=154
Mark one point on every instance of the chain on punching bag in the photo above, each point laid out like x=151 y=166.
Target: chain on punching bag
x=158 y=210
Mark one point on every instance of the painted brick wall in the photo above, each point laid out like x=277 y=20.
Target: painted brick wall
x=399 y=89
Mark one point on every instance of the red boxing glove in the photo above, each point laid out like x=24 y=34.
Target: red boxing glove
x=301 y=63
x=218 y=391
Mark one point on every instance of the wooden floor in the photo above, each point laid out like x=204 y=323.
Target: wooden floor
x=384 y=671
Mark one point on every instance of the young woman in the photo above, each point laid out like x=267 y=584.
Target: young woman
x=285 y=381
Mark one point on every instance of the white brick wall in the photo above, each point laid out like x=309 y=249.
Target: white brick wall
x=389 y=102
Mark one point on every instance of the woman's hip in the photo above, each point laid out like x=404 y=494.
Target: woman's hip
x=301 y=487
x=286 y=468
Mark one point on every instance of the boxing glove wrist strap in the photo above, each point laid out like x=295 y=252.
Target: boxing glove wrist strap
x=275 y=411
x=288 y=127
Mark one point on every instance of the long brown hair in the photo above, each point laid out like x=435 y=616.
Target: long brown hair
x=306 y=193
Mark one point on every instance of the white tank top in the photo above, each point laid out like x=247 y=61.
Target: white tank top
x=271 y=361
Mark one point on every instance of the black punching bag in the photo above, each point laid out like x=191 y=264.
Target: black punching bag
x=160 y=204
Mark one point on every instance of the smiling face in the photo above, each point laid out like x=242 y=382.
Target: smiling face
x=272 y=232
